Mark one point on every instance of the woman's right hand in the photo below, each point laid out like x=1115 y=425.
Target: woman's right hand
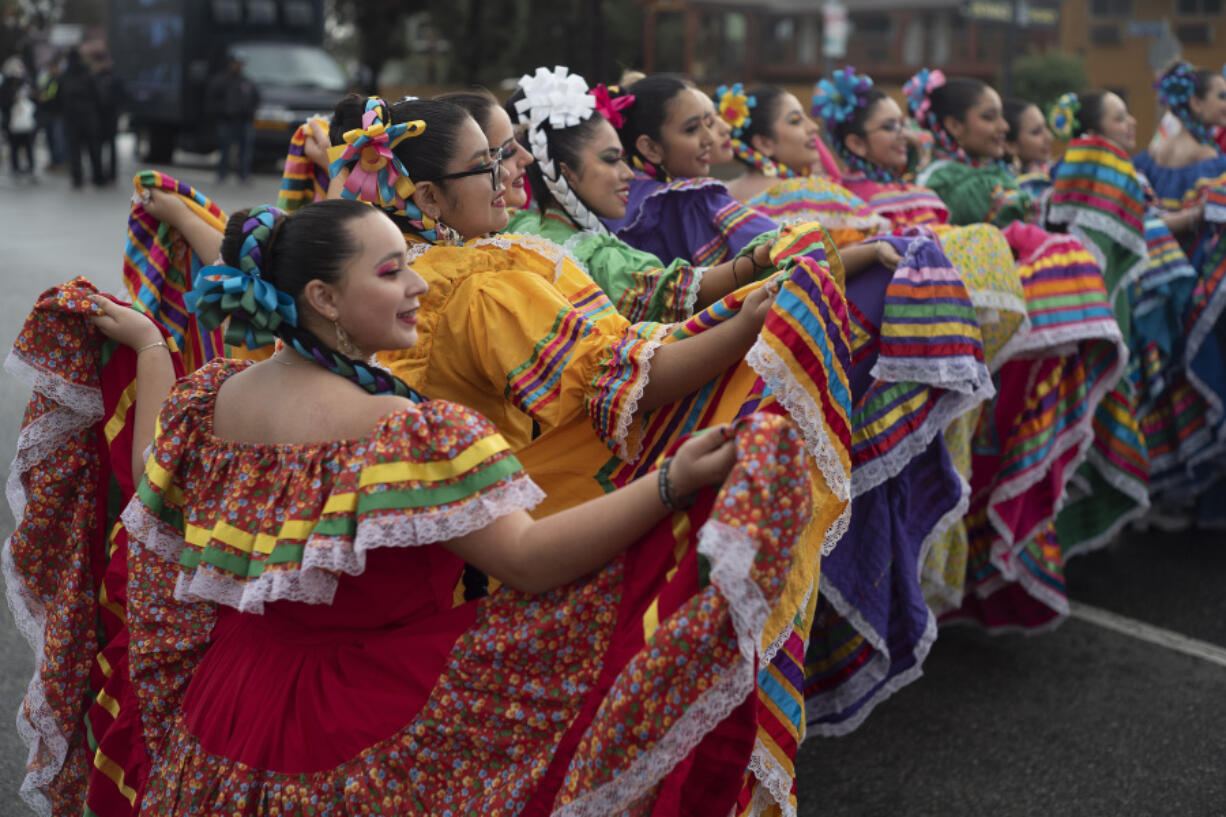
x=124 y=324
x=702 y=460
x=316 y=146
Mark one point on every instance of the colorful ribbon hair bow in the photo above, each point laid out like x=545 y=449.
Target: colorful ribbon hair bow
x=254 y=306
x=611 y=107
x=376 y=174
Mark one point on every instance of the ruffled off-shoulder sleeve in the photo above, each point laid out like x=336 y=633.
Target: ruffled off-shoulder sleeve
x=978 y=194
x=694 y=219
x=638 y=283
x=553 y=358
x=250 y=524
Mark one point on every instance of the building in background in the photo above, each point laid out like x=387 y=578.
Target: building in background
x=780 y=41
x=1126 y=42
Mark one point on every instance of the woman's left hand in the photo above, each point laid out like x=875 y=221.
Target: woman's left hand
x=124 y=324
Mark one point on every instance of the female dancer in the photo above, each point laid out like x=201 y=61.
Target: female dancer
x=1028 y=145
x=1098 y=197
x=373 y=493
x=875 y=633
x=777 y=142
x=868 y=133
x=1041 y=427
x=580 y=176
x=674 y=209
x=1188 y=175
x=512 y=326
x=483 y=107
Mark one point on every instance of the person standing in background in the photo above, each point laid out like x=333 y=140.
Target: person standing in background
x=17 y=110
x=80 y=112
x=232 y=99
x=50 y=114
x=108 y=96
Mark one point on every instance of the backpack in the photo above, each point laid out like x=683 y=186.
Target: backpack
x=21 y=115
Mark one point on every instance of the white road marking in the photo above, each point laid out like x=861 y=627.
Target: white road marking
x=1149 y=633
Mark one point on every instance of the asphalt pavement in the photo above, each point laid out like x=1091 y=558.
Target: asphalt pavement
x=1085 y=721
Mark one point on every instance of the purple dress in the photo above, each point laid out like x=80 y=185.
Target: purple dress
x=687 y=218
x=909 y=379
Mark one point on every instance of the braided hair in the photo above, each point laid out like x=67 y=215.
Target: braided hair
x=1176 y=88
x=287 y=253
x=560 y=118
x=765 y=108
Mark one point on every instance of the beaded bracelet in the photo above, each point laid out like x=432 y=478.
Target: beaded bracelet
x=666 y=493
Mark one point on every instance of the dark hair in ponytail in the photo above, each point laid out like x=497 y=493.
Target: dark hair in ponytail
x=425 y=156
x=1013 y=108
x=1090 y=117
x=957 y=96
x=761 y=116
x=652 y=98
x=1204 y=77
x=313 y=243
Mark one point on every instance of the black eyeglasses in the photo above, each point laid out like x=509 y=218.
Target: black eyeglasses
x=494 y=169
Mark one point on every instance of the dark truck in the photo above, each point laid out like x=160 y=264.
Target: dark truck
x=165 y=51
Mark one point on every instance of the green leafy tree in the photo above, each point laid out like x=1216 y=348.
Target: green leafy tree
x=1042 y=78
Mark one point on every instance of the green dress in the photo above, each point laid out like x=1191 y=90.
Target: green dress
x=984 y=193
x=638 y=283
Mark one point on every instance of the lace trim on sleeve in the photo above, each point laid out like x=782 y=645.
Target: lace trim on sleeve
x=626 y=444
x=326 y=557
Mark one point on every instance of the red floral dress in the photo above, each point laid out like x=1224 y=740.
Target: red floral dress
x=298 y=648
